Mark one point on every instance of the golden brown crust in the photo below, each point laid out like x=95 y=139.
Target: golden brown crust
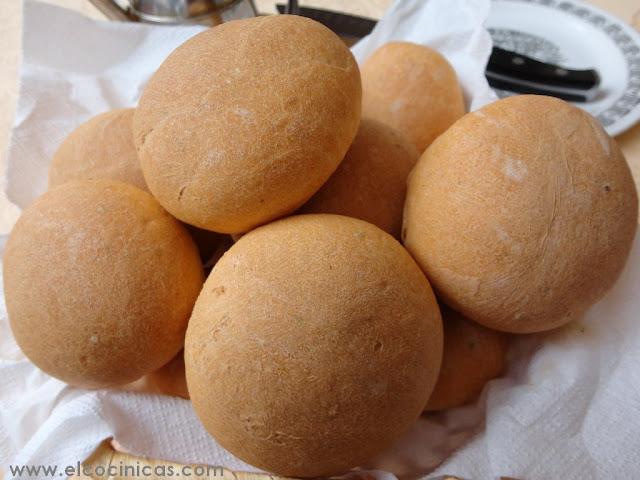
x=245 y=121
x=101 y=148
x=371 y=181
x=99 y=283
x=472 y=356
x=522 y=214
x=413 y=89
x=314 y=344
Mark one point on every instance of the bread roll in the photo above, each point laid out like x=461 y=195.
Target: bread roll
x=170 y=379
x=371 y=182
x=413 y=89
x=522 y=214
x=472 y=356
x=101 y=148
x=99 y=283
x=244 y=122
x=315 y=343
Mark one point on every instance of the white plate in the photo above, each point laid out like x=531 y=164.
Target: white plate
x=576 y=35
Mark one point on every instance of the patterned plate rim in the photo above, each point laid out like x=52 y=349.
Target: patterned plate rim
x=625 y=111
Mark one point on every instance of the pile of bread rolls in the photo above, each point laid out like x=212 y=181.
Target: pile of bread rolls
x=387 y=242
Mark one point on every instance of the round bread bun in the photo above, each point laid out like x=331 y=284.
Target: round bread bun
x=101 y=148
x=99 y=283
x=316 y=341
x=413 y=89
x=472 y=356
x=170 y=379
x=244 y=122
x=522 y=214
x=371 y=182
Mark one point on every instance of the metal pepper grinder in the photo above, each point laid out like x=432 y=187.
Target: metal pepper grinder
x=204 y=12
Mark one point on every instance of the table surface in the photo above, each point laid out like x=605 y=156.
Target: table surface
x=10 y=32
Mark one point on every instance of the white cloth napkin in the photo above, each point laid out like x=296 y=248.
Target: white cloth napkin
x=569 y=406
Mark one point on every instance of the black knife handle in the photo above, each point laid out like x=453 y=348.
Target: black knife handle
x=505 y=84
x=511 y=64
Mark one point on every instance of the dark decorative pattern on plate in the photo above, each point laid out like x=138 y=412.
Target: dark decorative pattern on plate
x=527 y=44
x=631 y=51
